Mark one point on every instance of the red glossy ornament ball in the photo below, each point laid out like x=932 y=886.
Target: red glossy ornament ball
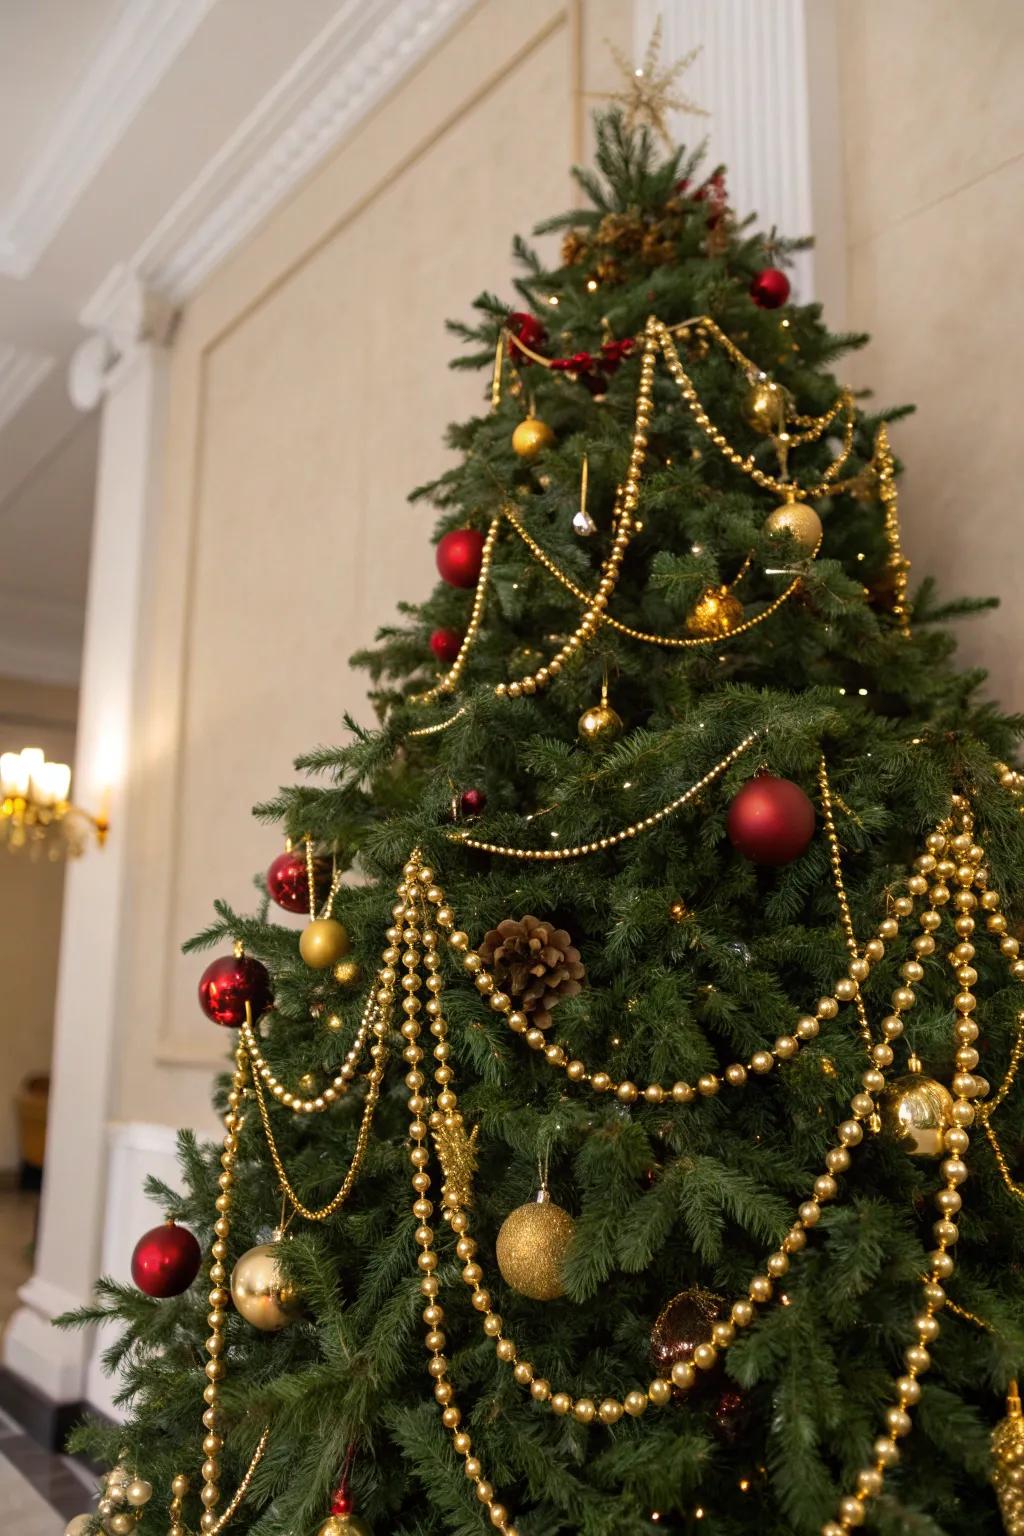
x=771 y=821
x=770 y=288
x=472 y=802
x=459 y=557
x=230 y=982
x=288 y=881
x=527 y=329
x=166 y=1260
x=446 y=645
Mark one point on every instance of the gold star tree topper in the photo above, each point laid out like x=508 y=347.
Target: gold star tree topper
x=648 y=95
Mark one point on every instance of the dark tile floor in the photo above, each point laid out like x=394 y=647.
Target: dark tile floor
x=43 y=1490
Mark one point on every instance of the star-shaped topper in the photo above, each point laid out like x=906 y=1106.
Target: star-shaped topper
x=648 y=96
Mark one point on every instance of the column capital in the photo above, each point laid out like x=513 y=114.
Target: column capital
x=124 y=317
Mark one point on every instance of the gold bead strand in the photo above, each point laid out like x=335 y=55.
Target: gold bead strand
x=845 y=918
x=216 y=1367
x=179 y=1488
x=599 y=845
x=450 y=681
x=422 y=1208
x=889 y=497
x=338 y=1086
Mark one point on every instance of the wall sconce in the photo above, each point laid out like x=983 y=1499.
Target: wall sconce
x=36 y=811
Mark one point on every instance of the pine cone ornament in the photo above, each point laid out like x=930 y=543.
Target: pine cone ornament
x=535 y=963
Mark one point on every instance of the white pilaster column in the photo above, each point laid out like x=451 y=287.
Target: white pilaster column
x=768 y=75
x=130 y=374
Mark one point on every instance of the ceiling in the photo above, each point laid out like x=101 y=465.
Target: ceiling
x=140 y=142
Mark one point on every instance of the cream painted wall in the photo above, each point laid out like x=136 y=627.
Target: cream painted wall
x=309 y=393
x=31 y=715
x=934 y=180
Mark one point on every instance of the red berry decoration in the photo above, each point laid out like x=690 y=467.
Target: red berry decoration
x=460 y=556
x=288 y=881
x=527 y=329
x=230 y=982
x=770 y=288
x=166 y=1260
x=771 y=821
x=446 y=645
x=472 y=802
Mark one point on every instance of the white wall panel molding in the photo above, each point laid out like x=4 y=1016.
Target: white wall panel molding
x=768 y=74
x=137 y=51
x=368 y=47
x=21 y=373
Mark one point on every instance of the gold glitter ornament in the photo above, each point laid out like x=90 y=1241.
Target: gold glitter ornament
x=764 y=408
x=344 y=1525
x=1007 y=1469
x=916 y=1112
x=532 y=1244
x=716 y=613
x=797 y=519
x=530 y=436
x=348 y=973
x=260 y=1293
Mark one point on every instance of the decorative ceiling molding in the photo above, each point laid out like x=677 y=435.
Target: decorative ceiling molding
x=362 y=54
x=21 y=373
x=136 y=52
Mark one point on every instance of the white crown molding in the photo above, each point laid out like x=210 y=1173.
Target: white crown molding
x=137 y=50
x=363 y=53
x=21 y=373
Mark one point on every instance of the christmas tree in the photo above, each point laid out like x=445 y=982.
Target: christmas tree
x=597 y=1162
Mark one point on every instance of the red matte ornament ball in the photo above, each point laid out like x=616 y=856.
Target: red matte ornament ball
x=770 y=821
x=527 y=329
x=472 y=802
x=166 y=1260
x=770 y=288
x=230 y=982
x=446 y=645
x=460 y=556
x=288 y=881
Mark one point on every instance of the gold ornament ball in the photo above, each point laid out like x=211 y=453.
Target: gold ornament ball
x=121 y=1524
x=599 y=724
x=138 y=1492
x=347 y=973
x=323 y=942
x=717 y=613
x=79 y=1525
x=344 y=1525
x=801 y=522
x=530 y=436
x=764 y=408
x=533 y=1241
x=916 y=1112
x=260 y=1293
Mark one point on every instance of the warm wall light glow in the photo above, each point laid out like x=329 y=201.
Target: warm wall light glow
x=35 y=807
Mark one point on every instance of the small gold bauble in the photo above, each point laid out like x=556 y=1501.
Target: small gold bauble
x=599 y=724
x=764 y=407
x=797 y=519
x=138 y=1492
x=323 y=942
x=530 y=436
x=348 y=972
x=260 y=1293
x=309 y=1084
x=532 y=1244
x=121 y=1524
x=916 y=1112
x=344 y=1525
x=79 y=1525
x=679 y=911
x=1007 y=1463
x=717 y=612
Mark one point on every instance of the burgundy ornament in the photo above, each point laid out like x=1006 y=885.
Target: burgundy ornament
x=770 y=821
x=460 y=556
x=472 y=802
x=527 y=329
x=682 y=1324
x=230 y=982
x=166 y=1260
x=288 y=881
x=770 y=288
x=731 y=1414
x=446 y=645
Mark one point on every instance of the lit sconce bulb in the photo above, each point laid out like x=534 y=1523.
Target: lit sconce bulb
x=55 y=781
x=13 y=775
